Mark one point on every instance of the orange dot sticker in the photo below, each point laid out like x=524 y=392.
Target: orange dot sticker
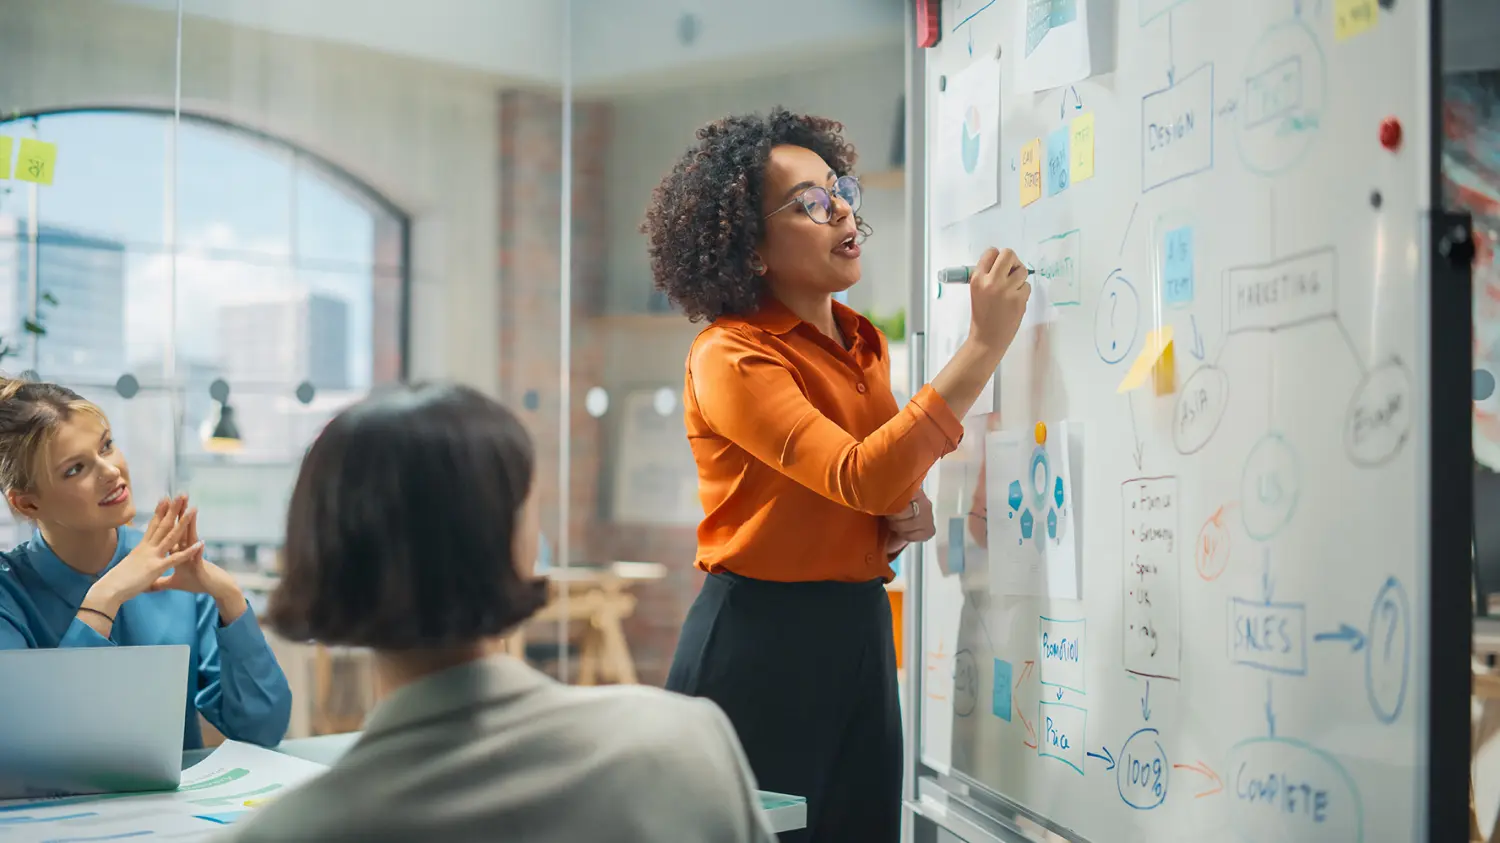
x=1041 y=433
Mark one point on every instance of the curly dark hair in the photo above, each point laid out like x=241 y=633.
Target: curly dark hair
x=705 y=217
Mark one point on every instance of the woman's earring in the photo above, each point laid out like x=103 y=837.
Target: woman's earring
x=757 y=266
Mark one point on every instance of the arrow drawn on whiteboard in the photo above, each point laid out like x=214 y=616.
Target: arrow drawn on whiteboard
x=1208 y=773
x=1139 y=446
x=1027 y=723
x=1197 y=347
x=1171 y=54
x=1146 y=702
x=1106 y=756
x=1124 y=237
x=1346 y=633
x=1062 y=109
x=1268 y=585
x=1270 y=715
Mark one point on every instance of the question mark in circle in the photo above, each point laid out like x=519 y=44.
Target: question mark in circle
x=1389 y=609
x=1114 y=304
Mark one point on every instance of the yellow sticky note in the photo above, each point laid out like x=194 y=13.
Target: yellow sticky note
x=1031 y=171
x=4 y=157
x=1083 y=147
x=1164 y=373
x=37 y=161
x=1353 y=17
x=1157 y=343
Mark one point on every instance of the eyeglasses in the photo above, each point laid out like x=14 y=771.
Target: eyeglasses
x=817 y=202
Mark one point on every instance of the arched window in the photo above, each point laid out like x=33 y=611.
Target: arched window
x=178 y=253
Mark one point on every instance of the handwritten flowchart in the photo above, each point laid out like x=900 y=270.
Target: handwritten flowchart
x=1269 y=114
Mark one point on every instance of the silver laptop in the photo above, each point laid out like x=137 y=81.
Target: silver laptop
x=91 y=720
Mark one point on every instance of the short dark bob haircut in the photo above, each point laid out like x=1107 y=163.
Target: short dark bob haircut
x=705 y=217
x=400 y=527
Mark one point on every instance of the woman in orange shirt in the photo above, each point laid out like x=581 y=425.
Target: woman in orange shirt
x=809 y=474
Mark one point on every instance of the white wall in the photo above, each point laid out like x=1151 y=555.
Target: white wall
x=635 y=43
x=423 y=134
x=616 y=43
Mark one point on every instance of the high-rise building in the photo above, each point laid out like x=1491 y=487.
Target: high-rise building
x=85 y=329
x=285 y=341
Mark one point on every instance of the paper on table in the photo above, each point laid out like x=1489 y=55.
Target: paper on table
x=1033 y=542
x=214 y=792
x=968 y=142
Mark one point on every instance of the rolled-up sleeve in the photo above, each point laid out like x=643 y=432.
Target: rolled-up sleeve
x=751 y=396
x=242 y=690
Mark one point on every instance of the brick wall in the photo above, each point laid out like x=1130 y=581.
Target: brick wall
x=529 y=267
x=530 y=308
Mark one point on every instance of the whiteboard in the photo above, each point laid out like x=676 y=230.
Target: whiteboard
x=1241 y=660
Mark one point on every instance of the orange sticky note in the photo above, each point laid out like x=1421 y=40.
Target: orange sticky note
x=1158 y=343
x=37 y=161
x=1031 y=172
x=4 y=157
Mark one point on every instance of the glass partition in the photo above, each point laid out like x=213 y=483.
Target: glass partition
x=644 y=79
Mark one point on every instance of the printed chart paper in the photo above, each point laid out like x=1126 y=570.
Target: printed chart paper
x=1033 y=540
x=968 y=142
x=217 y=791
x=1055 y=44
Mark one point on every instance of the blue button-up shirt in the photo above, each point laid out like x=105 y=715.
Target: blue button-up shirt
x=235 y=680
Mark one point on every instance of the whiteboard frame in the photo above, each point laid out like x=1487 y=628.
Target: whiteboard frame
x=940 y=798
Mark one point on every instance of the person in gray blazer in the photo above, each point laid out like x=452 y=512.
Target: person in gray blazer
x=412 y=530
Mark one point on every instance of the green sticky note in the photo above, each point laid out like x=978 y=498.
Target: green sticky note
x=36 y=161
x=4 y=157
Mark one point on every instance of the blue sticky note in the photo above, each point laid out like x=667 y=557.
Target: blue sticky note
x=1177 y=266
x=955 y=546
x=1000 y=700
x=1059 y=159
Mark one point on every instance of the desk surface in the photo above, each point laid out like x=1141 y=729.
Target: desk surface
x=787 y=813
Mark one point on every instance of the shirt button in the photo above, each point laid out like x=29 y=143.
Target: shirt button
x=860 y=388
x=869 y=558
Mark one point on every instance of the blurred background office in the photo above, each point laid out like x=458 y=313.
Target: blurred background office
x=227 y=219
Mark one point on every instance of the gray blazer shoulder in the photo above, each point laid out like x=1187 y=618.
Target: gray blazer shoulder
x=548 y=763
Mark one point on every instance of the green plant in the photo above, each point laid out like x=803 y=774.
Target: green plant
x=893 y=326
x=31 y=326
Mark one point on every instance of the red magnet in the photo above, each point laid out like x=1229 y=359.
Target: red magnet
x=1390 y=133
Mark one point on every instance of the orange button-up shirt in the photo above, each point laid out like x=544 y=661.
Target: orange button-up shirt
x=800 y=447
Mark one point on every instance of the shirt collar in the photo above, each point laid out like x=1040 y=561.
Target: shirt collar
x=68 y=583
x=487 y=680
x=776 y=318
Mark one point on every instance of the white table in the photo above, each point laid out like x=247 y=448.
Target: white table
x=787 y=813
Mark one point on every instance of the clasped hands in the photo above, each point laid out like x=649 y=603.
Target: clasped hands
x=169 y=542
x=912 y=525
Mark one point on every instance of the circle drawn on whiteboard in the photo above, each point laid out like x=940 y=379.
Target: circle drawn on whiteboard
x=1284 y=94
x=1269 y=487
x=1117 y=319
x=971 y=137
x=596 y=401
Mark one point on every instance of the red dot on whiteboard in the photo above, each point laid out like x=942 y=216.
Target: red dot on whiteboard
x=1390 y=133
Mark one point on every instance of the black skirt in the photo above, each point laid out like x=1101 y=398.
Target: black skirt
x=807 y=673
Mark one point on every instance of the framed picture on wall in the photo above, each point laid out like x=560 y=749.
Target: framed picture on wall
x=655 y=479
